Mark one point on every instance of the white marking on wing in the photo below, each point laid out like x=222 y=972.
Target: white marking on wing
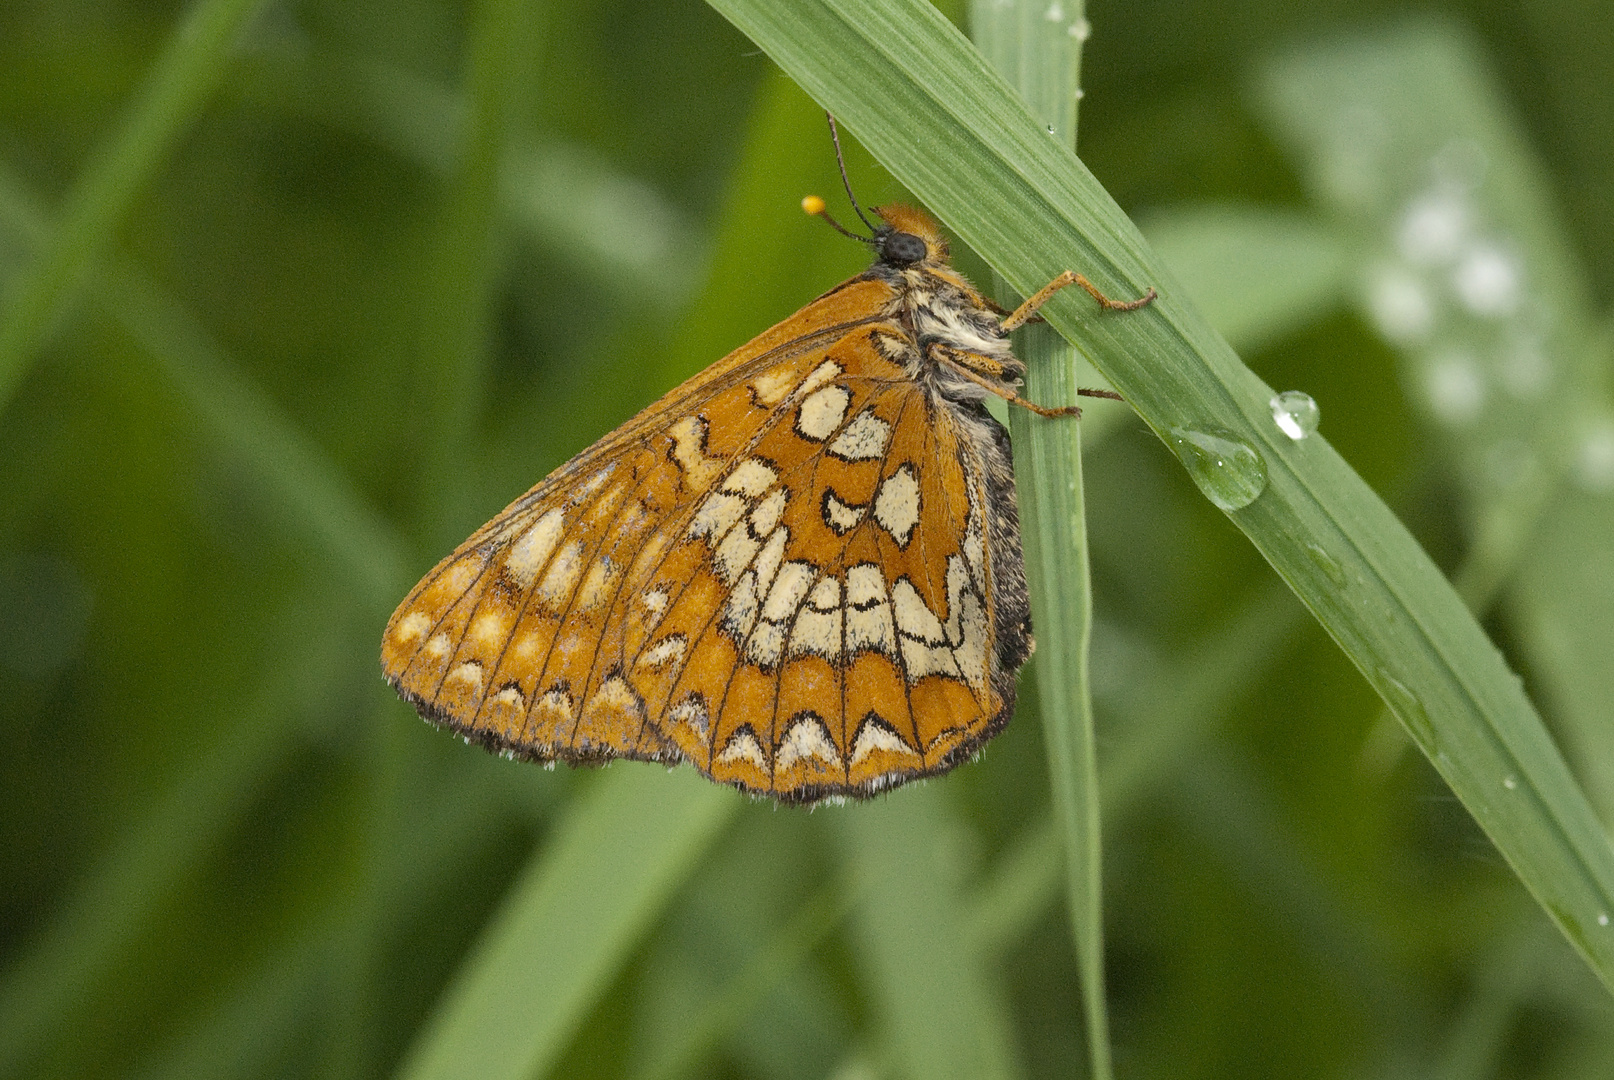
x=531 y=550
x=864 y=438
x=767 y=513
x=875 y=735
x=808 y=739
x=717 y=514
x=743 y=746
x=896 y=506
x=412 y=626
x=561 y=579
x=750 y=477
x=822 y=412
x=839 y=516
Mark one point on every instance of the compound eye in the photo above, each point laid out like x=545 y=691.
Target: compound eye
x=901 y=247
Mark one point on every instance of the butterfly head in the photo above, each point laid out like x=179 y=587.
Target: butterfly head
x=908 y=237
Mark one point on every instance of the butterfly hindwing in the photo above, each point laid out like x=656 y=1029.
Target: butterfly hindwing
x=799 y=571
x=779 y=573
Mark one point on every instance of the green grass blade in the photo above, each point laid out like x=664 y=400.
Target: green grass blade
x=568 y=923
x=939 y=1017
x=180 y=82
x=1042 y=58
x=920 y=97
x=1253 y=272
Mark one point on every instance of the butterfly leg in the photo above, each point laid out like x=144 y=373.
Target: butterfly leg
x=961 y=362
x=1028 y=310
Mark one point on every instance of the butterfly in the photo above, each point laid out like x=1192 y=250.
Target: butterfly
x=799 y=571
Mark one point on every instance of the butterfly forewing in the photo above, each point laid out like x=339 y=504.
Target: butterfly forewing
x=783 y=572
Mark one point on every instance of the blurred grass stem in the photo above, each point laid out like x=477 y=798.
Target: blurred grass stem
x=1042 y=58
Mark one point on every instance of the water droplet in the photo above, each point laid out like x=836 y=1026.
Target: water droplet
x=1081 y=30
x=1296 y=414
x=1400 y=304
x=1602 y=918
x=1055 y=12
x=1227 y=470
x=1050 y=129
x=1329 y=565
x=1080 y=93
x=1405 y=704
x=1455 y=387
x=1594 y=457
x=1510 y=782
x=1433 y=228
x=1489 y=281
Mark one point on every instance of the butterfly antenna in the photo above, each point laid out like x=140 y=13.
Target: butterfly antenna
x=835 y=137
x=813 y=205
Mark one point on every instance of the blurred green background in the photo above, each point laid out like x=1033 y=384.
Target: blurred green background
x=298 y=297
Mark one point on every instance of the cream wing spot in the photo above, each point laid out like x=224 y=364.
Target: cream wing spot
x=489 y=629
x=526 y=557
x=807 y=740
x=743 y=746
x=841 y=517
x=510 y=697
x=768 y=512
x=718 y=514
x=734 y=554
x=817 y=629
x=971 y=650
x=740 y=609
x=896 y=506
x=751 y=477
x=585 y=490
x=766 y=644
x=788 y=589
x=689 y=453
x=767 y=563
x=822 y=412
x=773 y=385
x=691 y=711
x=597 y=584
x=863 y=439
x=561 y=579
x=668 y=651
x=615 y=694
x=555 y=707
x=411 y=628
x=875 y=734
x=820 y=375
x=468 y=675
x=437 y=648
x=921 y=635
x=914 y=618
x=655 y=602
x=868 y=615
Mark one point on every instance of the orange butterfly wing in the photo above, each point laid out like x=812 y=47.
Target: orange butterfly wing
x=783 y=572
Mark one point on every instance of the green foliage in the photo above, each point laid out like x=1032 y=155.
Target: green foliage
x=295 y=296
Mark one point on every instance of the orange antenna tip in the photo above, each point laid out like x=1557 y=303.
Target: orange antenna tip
x=812 y=205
